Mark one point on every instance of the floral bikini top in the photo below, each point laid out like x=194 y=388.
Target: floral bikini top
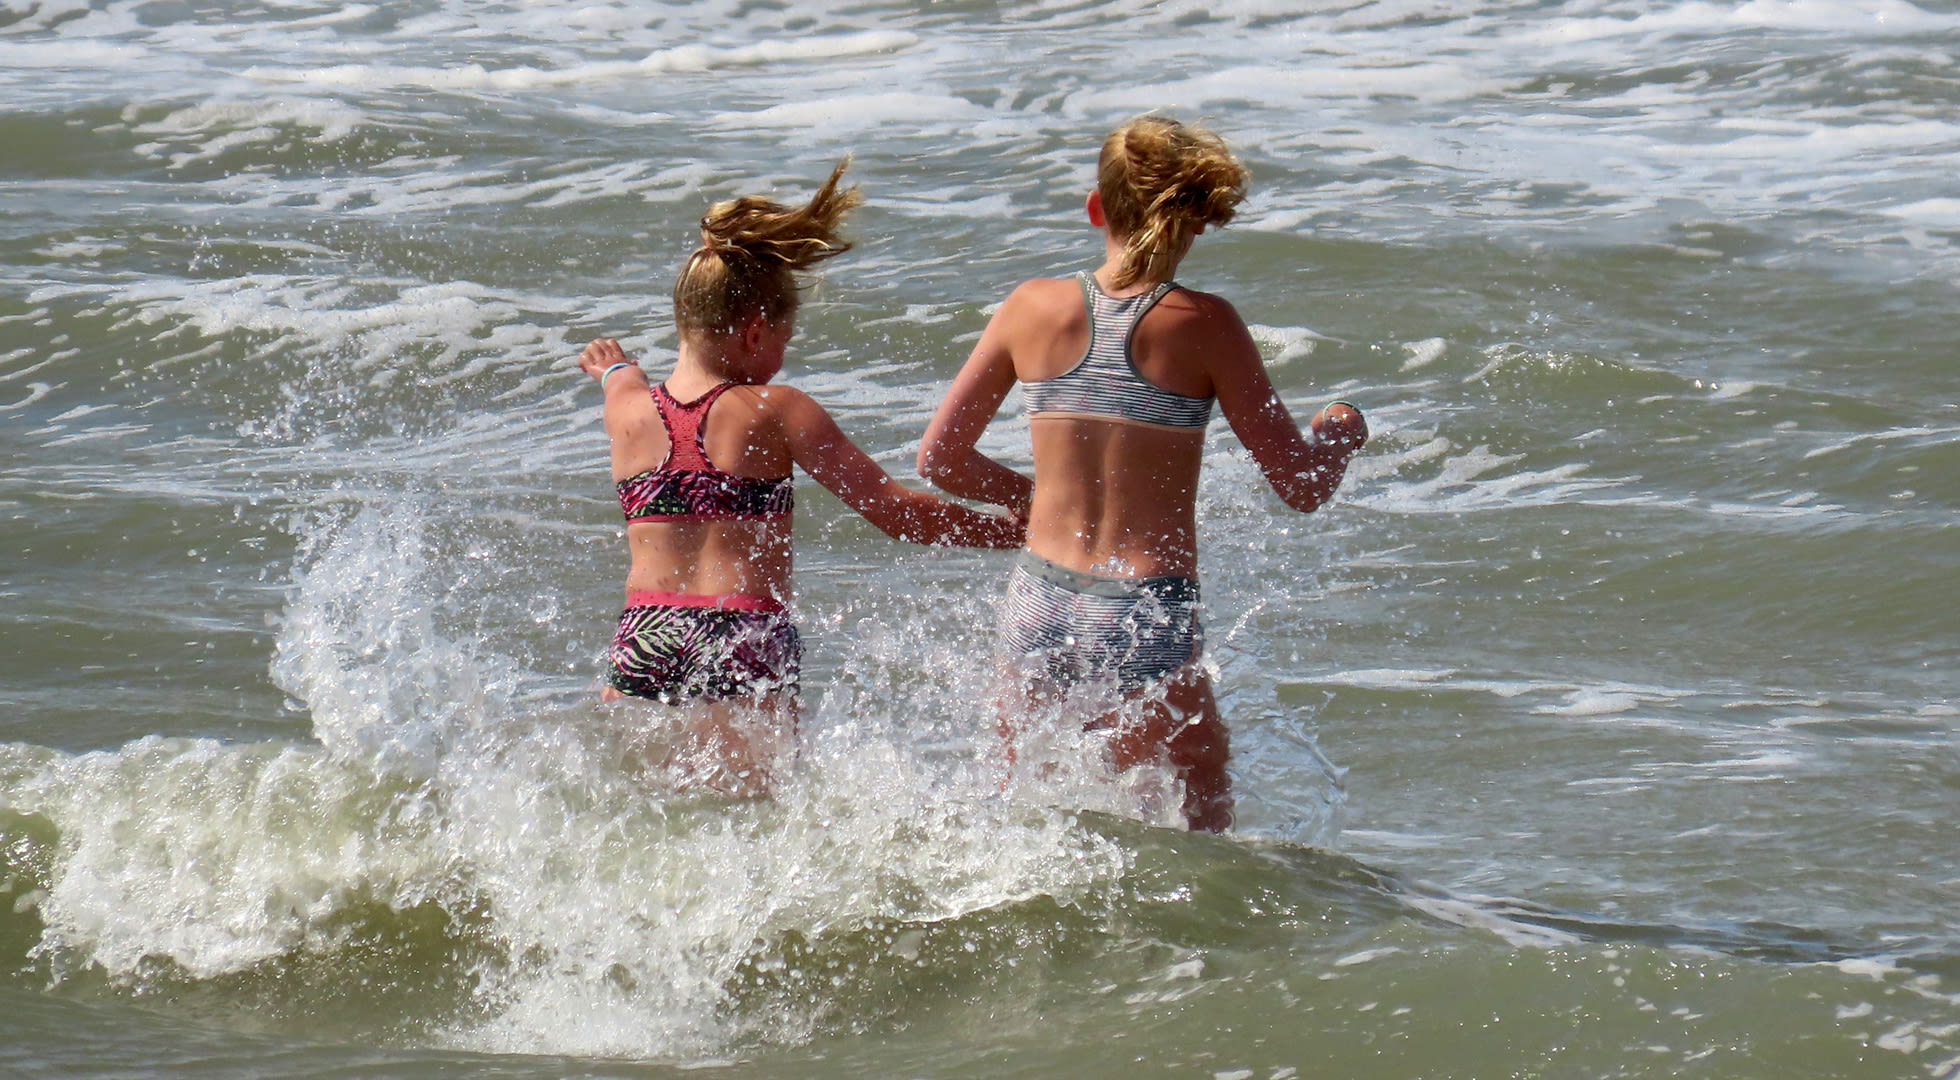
x=686 y=486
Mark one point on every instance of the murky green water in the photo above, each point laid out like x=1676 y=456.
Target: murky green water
x=1603 y=727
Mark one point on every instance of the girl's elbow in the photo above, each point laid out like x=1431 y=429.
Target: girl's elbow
x=936 y=463
x=1306 y=502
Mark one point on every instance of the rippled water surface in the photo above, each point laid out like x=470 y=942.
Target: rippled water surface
x=1603 y=726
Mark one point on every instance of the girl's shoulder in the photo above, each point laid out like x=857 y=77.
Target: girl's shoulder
x=776 y=409
x=768 y=400
x=1203 y=304
x=1186 y=319
x=1044 y=302
x=1047 y=291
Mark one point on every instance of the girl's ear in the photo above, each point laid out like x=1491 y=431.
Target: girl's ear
x=752 y=333
x=1095 y=208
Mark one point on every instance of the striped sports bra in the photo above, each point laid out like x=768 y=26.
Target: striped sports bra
x=687 y=486
x=1105 y=383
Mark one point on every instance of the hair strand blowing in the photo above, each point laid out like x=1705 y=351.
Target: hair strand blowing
x=751 y=248
x=1160 y=182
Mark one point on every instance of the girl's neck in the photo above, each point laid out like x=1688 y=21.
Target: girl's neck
x=1113 y=265
x=701 y=367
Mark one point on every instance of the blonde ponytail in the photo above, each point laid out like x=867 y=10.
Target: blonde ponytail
x=1160 y=182
x=750 y=249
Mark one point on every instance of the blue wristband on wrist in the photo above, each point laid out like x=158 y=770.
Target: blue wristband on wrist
x=607 y=374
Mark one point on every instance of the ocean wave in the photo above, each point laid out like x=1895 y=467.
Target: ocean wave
x=685 y=58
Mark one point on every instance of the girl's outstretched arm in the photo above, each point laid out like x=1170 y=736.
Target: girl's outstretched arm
x=833 y=460
x=948 y=455
x=1303 y=471
x=632 y=421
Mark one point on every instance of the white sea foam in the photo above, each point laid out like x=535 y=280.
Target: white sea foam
x=1476 y=479
x=1928 y=213
x=1423 y=353
x=1291 y=87
x=60 y=55
x=386 y=193
x=212 y=129
x=1593 y=703
x=922 y=113
x=1573 y=700
x=685 y=58
x=1863 y=17
x=625 y=914
x=317 y=316
x=1893 y=435
x=1365 y=956
x=35 y=392
x=1284 y=344
x=1558 y=158
x=1482 y=914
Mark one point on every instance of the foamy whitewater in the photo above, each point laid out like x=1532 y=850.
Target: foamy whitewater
x=1603 y=725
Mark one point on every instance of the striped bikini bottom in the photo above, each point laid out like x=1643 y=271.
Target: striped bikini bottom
x=1077 y=627
x=676 y=648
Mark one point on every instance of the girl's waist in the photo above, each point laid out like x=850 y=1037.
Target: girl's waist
x=714 y=563
x=722 y=602
x=1163 y=556
x=716 y=582
x=1106 y=576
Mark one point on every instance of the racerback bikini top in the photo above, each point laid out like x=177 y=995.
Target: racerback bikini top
x=687 y=486
x=1105 y=383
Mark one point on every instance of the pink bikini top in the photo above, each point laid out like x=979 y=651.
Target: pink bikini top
x=686 y=486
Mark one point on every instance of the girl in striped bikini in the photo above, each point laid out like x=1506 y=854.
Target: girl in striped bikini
x=702 y=464
x=1119 y=369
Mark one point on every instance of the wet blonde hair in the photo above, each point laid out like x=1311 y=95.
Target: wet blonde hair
x=1160 y=181
x=750 y=249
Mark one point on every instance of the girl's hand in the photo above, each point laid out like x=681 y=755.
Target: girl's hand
x=601 y=354
x=1340 y=425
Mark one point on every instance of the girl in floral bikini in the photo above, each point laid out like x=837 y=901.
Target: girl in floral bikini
x=702 y=464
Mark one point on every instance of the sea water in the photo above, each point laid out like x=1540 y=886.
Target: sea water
x=1602 y=726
